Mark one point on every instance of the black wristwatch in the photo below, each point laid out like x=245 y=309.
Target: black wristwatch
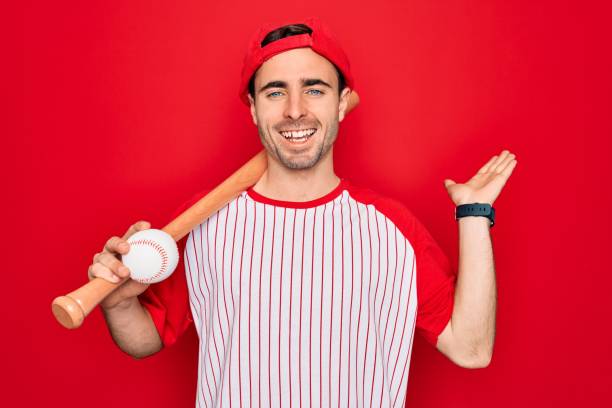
x=476 y=209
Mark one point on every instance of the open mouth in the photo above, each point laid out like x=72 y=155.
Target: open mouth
x=298 y=136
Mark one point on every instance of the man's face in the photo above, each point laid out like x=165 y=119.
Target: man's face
x=297 y=107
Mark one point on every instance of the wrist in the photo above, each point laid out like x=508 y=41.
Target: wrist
x=472 y=201
x=476 y=210
x=474 y=221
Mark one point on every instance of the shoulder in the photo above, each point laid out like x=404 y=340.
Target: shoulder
x=395 y=211
x=183 y=206
x=189 y=202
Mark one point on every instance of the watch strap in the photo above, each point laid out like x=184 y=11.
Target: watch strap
x=477 y=210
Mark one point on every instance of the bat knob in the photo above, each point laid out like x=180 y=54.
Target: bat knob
x=68 y=312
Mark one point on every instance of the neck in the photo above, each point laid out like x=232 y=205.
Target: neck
x=281 y=183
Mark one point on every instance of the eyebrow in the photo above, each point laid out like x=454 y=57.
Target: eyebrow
x=305 y=82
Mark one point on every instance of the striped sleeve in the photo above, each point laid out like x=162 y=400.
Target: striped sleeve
x=168 y=301
x=435 y=277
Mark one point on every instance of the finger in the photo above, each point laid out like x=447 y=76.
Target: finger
x=502 y=156
x=449 y=182
x=96 y=258
x=507 y=171
x=116 y=245
x=113 y=264
x=98 y=270
x=485 y=168
x=134 y=228
x=501 y=166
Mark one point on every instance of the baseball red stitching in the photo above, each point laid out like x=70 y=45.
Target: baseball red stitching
x=161 y=251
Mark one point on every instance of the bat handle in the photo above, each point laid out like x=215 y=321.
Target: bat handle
x=70 y=310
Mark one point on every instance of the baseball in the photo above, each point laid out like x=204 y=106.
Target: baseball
x=152 y=257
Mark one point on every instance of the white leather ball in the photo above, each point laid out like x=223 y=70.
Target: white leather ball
x=152 y=257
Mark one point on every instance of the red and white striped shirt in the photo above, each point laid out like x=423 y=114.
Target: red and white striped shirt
x=306 y=303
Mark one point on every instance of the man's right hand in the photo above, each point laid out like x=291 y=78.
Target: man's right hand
x=107 y=265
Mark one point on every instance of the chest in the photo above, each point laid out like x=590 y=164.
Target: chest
x=339 y=259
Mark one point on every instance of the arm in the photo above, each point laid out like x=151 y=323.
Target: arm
x=469 y=336
x=132 y=328
x=128 y=321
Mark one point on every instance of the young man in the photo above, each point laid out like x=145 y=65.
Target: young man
x=305 y=289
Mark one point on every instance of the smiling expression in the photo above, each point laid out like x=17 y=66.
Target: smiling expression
x=297 y=108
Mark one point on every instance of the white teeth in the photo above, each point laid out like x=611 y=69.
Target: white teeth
x=299 y=134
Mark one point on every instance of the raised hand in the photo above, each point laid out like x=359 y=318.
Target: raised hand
x=487 y=184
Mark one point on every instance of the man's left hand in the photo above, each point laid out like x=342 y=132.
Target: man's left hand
x=487 y=184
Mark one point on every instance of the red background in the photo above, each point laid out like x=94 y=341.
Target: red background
x=132 y=107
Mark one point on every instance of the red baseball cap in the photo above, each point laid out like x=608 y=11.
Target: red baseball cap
x=321 y=41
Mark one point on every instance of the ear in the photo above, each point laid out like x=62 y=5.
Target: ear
x=344 y=96
x=253 y=111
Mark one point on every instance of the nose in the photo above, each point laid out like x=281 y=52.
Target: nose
x=295 y=107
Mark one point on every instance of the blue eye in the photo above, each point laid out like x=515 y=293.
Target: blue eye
x=315 y=90
x=273 y=93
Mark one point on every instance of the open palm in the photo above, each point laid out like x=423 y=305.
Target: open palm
x=487 y=184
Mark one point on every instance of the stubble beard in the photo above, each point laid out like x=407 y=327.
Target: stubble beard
x=292 y=163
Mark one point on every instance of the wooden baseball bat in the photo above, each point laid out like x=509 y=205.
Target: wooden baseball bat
x=70 y=310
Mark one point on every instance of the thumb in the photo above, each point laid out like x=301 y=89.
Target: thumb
x=134 y=228
x=448 y=183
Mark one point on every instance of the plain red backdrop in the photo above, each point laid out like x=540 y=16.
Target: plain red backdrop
x=132 y=107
